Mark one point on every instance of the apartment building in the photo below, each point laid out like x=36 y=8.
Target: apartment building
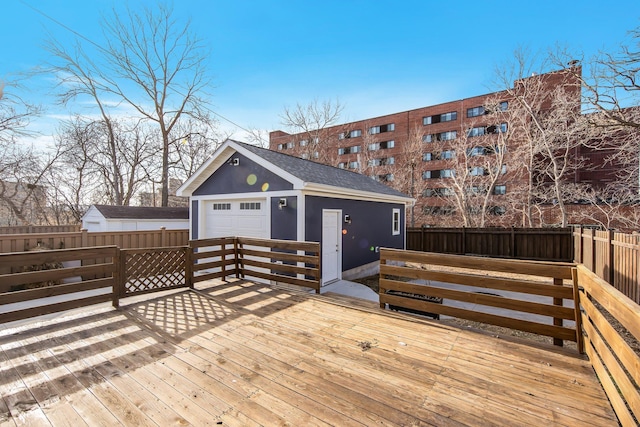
x=454 y=157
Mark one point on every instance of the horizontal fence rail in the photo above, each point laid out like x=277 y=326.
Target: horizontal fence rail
x=418 y=282
x=213 y=258
x=24 y=229
x=542 y=244
x=615 y=362
x=47 y=282
x=290 y=262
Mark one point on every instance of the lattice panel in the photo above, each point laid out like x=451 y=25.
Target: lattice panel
x=154 y=270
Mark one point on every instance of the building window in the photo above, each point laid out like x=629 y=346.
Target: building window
x=349 y=150
x=442 y=155
x=441 y=173
x=304 y=156
x=250 y=206
x=442 y=136
x=341 y=165
x=504 y=106
x=438 y=210
x=383 y=178
x=438 y=118
x=503 y=169
x=280 y=146
x=437 y=192
x=477 y=131
x=382 y=128
x=290 y=145
x=475 y=111
x=497 y=210
x=478 y=171
x=352 y=165
x=500 y=189
x=381 y=145
x=350 y=134
x=222 y=206
x=303 y=143
x=395 y=221
x=382 y=161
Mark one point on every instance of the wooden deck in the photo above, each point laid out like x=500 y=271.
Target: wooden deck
x=243 y=354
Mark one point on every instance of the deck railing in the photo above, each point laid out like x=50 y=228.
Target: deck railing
x=615 y=362
x=290 y=262
x=47 y=282
x=87 y=276
x=478 y=290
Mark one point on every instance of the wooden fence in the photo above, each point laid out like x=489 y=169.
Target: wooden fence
x=615 y=362
x=24 y=229
x=83 y=239
x=543 y=244
x=612 y=256
x=480 y=293
x=80 y=277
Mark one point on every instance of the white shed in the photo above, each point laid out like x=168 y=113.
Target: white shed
x=134 y=218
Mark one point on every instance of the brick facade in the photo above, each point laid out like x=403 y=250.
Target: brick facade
x=384 y=148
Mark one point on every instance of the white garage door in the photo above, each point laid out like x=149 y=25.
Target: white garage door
x=246 y=218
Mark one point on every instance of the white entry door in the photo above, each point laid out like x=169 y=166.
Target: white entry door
x=331 y=246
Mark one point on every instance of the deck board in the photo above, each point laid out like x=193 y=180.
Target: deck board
x=242 y=354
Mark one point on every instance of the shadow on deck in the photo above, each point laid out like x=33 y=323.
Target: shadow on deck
x=241 y=353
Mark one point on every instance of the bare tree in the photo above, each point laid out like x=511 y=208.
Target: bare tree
x=21 y=166
x=545 y=112
x=151 y=63
x=194 y=141
x=109 y=161
x=310 y=123
x=476 y=165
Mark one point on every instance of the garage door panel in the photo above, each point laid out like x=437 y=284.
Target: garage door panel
x=251 y=221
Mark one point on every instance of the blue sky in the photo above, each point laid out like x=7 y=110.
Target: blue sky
x=376 y=57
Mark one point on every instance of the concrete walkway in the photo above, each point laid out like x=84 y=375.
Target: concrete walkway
x=352 y=289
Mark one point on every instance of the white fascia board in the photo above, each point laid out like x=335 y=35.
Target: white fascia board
x=344 y=193
x=222 y=155
x=219 y=157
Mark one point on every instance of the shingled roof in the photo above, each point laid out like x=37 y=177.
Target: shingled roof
x=143 y=212
x=318 y=173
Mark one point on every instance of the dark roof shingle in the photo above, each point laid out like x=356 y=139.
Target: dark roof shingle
x=143 y=212
x=319 y=173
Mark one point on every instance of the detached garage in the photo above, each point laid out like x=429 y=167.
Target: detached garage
x=134 y=218
x=244 y=190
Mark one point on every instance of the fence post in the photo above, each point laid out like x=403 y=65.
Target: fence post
x=188 y=268
x=611 y=260
x=84 y=238
x=512 y=249
x=557 y=321
x=118 y=274
x=577 y=252
x=464 y=240
x=163 y=236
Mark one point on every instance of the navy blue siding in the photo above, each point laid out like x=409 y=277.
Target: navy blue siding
x=194 y=219
x=370 y=228
x=246 y=177
x=284 y=222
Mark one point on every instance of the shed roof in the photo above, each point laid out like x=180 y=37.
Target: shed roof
x=319 y=173
x=310 y=174
x=143 y=212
